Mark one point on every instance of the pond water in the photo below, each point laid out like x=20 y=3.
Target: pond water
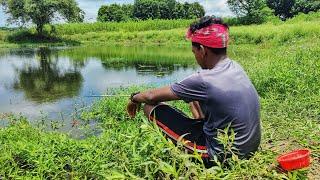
x=53 y=82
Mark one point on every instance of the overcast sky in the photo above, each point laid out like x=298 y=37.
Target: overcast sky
x=212 y=7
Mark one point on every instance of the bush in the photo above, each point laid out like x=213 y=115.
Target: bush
x=115 y=12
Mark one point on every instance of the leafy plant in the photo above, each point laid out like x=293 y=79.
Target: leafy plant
x=42 y=12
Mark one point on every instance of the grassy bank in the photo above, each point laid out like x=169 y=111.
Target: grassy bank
x=136 y=149
x=282 y=61
x=254 y=34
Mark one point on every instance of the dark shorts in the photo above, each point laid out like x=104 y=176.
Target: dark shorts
x=178 y=127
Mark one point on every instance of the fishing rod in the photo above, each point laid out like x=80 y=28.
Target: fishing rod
x=108 y=95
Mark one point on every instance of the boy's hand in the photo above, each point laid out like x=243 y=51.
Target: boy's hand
x=132 y=108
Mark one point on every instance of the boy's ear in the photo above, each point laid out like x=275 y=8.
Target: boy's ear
x=202 y=48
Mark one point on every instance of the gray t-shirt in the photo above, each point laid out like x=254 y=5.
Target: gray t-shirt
x=226 y=95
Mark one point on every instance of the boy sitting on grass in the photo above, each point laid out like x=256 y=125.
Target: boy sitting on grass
x=221 y=94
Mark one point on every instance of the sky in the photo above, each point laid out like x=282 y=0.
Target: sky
x=91 y=7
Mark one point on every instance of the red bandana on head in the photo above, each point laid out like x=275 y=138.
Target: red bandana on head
x=214 y=36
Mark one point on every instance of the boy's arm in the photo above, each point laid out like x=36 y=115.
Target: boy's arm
x=155 y=96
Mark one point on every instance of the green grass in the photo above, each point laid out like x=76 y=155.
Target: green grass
x=80 y=28
x=255 y=34
x=136 y=149
x=282 y=61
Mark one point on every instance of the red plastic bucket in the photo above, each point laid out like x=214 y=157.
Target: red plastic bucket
x=295 y=160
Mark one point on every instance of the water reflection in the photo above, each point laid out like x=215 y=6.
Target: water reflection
x=123 y=56
x=47 y=81
x=56 y=81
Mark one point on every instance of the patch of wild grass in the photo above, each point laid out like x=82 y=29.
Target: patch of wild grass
x=79 y=28
x=255 y=34
x=135 y=148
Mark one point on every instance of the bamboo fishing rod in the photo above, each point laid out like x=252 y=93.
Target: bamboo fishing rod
x=107 y=95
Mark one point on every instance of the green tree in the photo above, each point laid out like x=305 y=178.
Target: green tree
x=115 y=12
x=146 y=9
x=164 y=10
x=151 y=9
x=249 y=11
x=42 y=12
x=186 y=7
x=196 y=10
x=179 y=11
x=306 y=6
x=288 y=8
x=167 y=9
x=170 y=4
x=128 y=11
x=282 y=8
x=188 y=10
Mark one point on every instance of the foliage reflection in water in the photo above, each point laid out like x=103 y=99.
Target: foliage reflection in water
x=52 y=83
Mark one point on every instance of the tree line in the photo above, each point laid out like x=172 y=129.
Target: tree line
x=42 y=12
x=247 y=11
x=289 y=8
x=257 y=11
x=150 y=9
